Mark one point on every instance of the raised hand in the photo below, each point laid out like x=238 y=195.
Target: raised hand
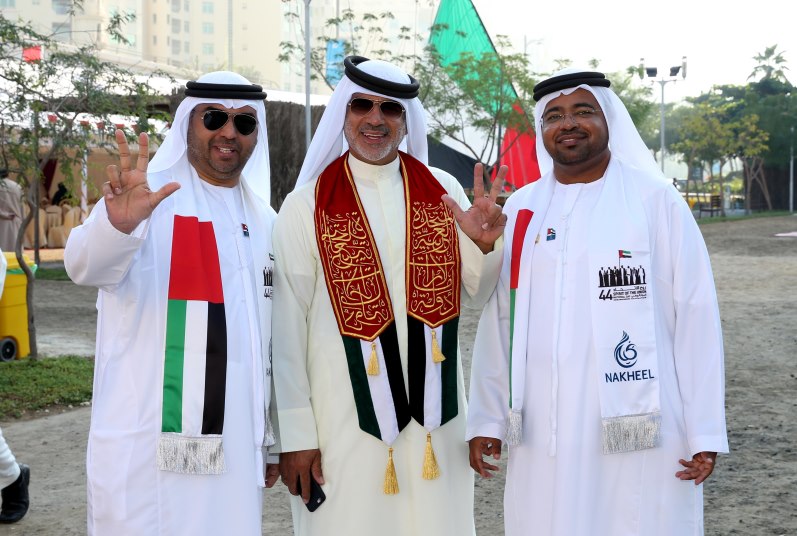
x=699 y=468
x=484 y=446
x=128 y=199
x=484 y=221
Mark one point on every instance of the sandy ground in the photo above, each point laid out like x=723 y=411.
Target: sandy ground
x=752 y=492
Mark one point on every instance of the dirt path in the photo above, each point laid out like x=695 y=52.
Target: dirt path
x=753 y=491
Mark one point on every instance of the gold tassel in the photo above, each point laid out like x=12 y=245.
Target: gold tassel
x=437 y=355
x=373 y=362
x=391 y=482
x=430 y=468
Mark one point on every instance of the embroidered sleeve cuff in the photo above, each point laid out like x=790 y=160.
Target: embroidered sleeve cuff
x=297 y=430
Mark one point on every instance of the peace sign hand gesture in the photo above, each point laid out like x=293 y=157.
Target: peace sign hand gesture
x=484 y=221
x=128 y=199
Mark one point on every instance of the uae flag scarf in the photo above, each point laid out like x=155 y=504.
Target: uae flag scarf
x=195 y=360
x=361 y=302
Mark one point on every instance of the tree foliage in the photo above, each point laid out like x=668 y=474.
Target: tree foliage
x=463 y=100
x=361 y=35
x=59 y=109
x=466 y=99
x=770 y=66
x=747 y=124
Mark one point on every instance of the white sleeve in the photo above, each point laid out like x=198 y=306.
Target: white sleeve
x=479 y=271
x=294 y=286
x=488 y=404
x=697 y=343
x=99 y=255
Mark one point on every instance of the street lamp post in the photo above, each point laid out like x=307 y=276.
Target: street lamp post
x=791 y=171
x=307 y=52
x=652 y=72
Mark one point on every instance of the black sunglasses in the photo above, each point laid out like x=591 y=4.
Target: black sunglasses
x=390 y=109
x=215 y=119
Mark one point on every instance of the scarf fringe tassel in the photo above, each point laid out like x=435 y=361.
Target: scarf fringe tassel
x=391 y=482
x=514 y=431
x=191 y=455
x=269 y=438
x=631 y=432
x=373 y=362
x=431 y=470
x=437 y=355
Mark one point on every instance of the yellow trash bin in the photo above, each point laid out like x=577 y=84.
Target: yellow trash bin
x=14 y=338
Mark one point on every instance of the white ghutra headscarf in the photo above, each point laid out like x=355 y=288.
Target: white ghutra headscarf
x=256 y=173
x=624 y=139
x=329 y=142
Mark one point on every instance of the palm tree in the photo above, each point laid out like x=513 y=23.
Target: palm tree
x=771 y=65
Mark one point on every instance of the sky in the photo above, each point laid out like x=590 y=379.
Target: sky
x=719 y=39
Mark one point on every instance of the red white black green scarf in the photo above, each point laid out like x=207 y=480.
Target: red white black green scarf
x=195 y=347
x=362 y=305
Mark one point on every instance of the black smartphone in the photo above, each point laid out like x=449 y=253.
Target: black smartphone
x=317 y=495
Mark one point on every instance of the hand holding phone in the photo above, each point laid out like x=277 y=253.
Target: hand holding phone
x=317 y=495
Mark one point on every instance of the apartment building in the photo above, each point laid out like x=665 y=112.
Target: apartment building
x=188 y=37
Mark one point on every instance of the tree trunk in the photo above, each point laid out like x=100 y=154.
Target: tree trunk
x=722 y=191
x=748 y=185
x=34 y=348
x=29 y=276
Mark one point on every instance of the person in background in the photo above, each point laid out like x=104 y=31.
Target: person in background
x=10 y=211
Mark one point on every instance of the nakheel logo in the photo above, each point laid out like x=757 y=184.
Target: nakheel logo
x=625 y=353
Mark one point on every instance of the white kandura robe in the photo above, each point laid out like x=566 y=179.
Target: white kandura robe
x=127 y=494
x=313 y=395
x=579 y=491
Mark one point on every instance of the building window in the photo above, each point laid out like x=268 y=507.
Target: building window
x=176 y=6
x=186 y=47
x=207 y=27
x=154 y=39
x=186 y=27
x=154 y=18
x=61 y=7
x=176 y=47
x=61 y=30
x=186 y=5
x=176 y=26
x=207 y=49
x=207 y=7
x=10 y=3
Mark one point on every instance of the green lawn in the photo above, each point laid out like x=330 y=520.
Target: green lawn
x=52 y=274
x=754 y=215
x=28 y=385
